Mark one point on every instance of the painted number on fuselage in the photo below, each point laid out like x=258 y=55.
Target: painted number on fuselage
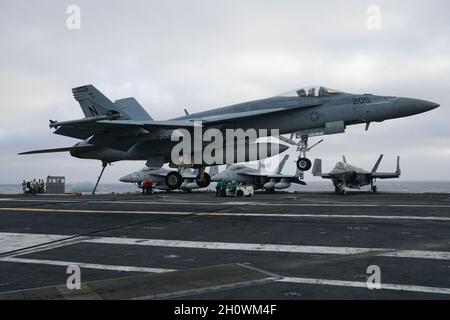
x=362 y=100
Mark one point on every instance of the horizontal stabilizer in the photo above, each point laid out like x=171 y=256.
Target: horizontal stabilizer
x=56 y=150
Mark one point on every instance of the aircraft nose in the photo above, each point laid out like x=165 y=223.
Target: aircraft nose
x=127 y=178
x=410 y=106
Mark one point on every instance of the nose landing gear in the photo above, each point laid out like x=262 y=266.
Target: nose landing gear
x=339 y=189
x=373 y=187
x=303 y=163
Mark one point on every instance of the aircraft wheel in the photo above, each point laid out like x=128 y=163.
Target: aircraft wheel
x=204 y=182
x=375 y=189
x=174 y=180
x=304 y=164
x=240 y=193
x=344 y=192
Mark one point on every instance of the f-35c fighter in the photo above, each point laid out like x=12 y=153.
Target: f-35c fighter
x=346 y=175
x=259 y=178
x=122 y=130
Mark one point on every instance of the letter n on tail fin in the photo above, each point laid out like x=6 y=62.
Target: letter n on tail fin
x=93 y=102
x=317 y=168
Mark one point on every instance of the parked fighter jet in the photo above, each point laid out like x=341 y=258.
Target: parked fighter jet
x=124 y=131
x=259 y=178
x=345 y=175
x=164 y=179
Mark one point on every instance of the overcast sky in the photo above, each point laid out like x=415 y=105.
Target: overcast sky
x=197 y=55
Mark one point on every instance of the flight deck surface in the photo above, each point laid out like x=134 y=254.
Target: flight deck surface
x=197 y=246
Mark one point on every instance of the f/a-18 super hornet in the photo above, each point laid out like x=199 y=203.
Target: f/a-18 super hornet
x=165 y=179
x=346 y=175
x=124 y=131
x=259 y=178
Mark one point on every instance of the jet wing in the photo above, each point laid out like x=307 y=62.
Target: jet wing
x=385 y=175
x=74 y=132
x=292 y=179
x=80 y=129
x=149 y=125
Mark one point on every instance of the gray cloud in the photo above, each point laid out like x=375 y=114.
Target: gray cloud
x=173 y=55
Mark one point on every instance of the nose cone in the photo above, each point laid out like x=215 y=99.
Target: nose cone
x=127 y=179
x=408 y=106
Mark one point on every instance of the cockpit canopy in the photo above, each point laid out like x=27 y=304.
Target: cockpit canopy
x=340 y=165
x=313 y=91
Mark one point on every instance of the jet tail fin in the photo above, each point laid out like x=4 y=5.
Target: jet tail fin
x=399 y=171
x=282 y=164
x=93 y=103
x=344 y=159
x=317 y=168
x=133 y=109
x=261 y=165
x=377 y=164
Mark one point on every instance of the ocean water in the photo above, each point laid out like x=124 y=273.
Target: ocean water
x=313 y=186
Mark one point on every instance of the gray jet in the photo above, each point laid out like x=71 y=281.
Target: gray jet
x=259 y=178
x=164 y=179
x=123 y=130
x=346 y=175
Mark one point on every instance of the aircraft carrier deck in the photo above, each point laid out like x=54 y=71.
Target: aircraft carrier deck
x=197 y=246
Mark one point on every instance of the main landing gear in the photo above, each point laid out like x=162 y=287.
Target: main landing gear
x=303 y=163
x=104 y=165
x=203 y=179
x=372 y=187
x=174 y=180
x=339 y=189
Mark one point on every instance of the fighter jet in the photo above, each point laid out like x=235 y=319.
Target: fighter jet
x=164 y=179
x=346 y=175
x=123 y=130
x=259 y=178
